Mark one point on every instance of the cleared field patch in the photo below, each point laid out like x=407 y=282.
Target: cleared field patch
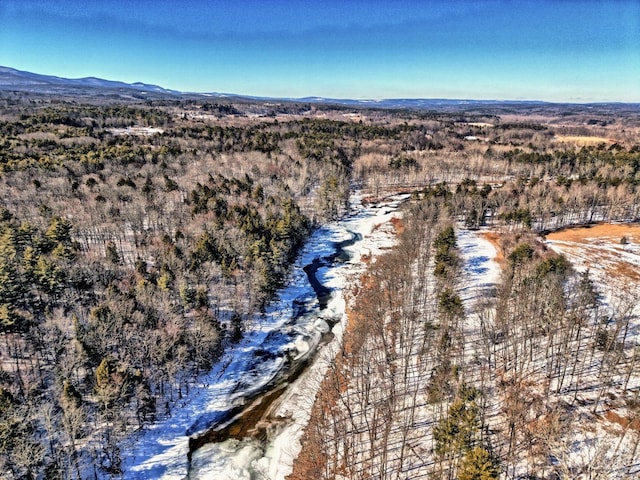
x=602 y=231
x=583 y=140
x=613 y=249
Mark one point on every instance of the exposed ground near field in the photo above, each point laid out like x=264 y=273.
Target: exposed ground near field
x=612 y=249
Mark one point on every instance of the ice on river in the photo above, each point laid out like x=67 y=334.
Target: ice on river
x=270 y=341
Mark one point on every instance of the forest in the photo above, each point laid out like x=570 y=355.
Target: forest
x=137 y=238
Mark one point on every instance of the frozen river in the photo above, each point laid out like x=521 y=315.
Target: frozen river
x=284 y=351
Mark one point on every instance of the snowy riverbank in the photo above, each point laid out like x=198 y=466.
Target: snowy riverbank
x=161 y=450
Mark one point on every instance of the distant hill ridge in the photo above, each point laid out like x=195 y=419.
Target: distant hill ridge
x=18 y=80
x=12 y=79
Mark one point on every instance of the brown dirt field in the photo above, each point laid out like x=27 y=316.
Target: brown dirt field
x=608 y=231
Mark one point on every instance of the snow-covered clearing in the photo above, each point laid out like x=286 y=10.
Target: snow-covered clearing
x=611 y=254
x=560 y=396
x=481 y=272
x=571 y=399
x=137 y=130
x=161 y=451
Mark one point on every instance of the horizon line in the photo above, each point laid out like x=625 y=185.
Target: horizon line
x=320 y=98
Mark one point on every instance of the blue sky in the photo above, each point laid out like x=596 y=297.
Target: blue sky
x=571 y=50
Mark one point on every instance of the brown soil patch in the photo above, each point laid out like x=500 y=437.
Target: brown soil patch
x=605 y=231
x=494 y=239
x=626 y=270
x=357 y=322
x=622 y=421
x=398 y=225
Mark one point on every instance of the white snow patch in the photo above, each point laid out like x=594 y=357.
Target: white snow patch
x=480 y=268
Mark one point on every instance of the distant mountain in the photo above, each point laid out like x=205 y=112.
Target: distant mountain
x=17 y=80
x=20 y=81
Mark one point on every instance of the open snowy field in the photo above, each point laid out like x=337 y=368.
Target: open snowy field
x=610 y=252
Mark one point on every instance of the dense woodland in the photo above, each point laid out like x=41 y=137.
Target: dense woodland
x=137 y=238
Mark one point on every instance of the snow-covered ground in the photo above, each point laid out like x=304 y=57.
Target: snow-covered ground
x=481 y=272
x=597 y=444
x=391 y=412
x=381 y=426
x=612 y=264
x=161 y=450
x=137 y=130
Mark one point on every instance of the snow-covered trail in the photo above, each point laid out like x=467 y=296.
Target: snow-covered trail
x=161 y=451
x=481 y=272
x=480 y=276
